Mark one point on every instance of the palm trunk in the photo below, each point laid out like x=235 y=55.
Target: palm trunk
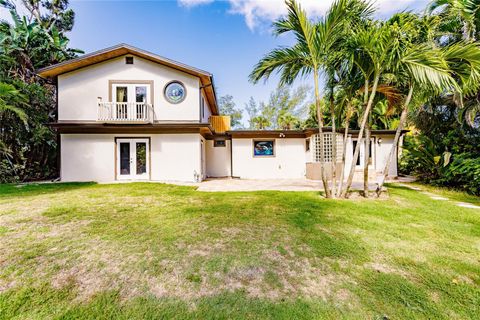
x=360 y=135
x=334 y=146
x=398 y=133
x=366 y=160
x=321 y=136
x=344 y=151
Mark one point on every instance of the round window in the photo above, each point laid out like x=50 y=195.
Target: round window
x=175 y=92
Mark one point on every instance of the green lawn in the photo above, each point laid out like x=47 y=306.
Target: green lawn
x=148 y=251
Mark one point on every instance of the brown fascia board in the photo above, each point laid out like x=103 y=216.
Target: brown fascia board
x=296 y=133
x=266 y=133
x=88 y=59
x=97 y=127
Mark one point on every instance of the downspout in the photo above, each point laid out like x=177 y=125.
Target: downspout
x=231 y=158
x=200 y=105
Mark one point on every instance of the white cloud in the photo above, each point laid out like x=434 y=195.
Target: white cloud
x=257 y=12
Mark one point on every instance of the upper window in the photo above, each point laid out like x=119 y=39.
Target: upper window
x=175 y=92
x=129 y=60
x=264 y=148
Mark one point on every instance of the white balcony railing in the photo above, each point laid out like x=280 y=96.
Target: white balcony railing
x=125 y=112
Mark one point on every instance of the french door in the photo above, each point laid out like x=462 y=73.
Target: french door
x=130 y=101
x=138 y=93
x=133 y=159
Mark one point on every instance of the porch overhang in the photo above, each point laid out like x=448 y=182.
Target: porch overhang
x=165 y=128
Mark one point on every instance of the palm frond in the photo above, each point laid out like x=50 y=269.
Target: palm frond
x=427 y=68
x=288 y=62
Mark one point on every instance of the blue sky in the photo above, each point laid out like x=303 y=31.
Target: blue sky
x=225 y=38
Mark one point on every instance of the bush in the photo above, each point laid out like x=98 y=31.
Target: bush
x=429 y=163
x=463 y=173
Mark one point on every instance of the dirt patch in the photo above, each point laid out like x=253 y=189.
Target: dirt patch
x=191 y=268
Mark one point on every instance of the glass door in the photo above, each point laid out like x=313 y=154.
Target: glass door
x=131 y=101
x=132 y=159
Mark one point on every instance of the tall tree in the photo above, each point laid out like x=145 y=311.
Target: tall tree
x=260 y=123
x=227 y=107
x=252 y=111
x=427 y=70
x=455 y=13
x=308 y=56
x=27 y=43
x=459 y=20
x=370 y=47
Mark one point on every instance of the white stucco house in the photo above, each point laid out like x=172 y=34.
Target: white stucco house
x=127 y=114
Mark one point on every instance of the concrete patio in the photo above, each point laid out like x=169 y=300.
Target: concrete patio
x=228 y=184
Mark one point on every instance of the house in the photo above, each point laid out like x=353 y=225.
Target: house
x=127 y=114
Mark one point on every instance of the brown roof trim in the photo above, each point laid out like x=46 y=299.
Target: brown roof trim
x=85 y=60
x=95 y=127
x=297 y=133
x=266 y=133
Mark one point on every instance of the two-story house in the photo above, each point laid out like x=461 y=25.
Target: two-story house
x=127 y=114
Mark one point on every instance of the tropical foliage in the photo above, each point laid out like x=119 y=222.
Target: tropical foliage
x=441 y=134
x=227 y=107
x=28 y=147
x=377 y=72
x=285 y=109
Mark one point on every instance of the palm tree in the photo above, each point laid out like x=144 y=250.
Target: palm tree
x=456 y=15
x=371 y=51
x=315 y=42
x=302 y=59
x=463 y=12
x=260 y=122
x=347 y=102
x=429 y=70
x=287 y=121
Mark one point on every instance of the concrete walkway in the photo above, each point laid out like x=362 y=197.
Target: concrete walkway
x=441 y=198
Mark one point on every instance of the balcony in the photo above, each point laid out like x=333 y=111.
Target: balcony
x=125 y=112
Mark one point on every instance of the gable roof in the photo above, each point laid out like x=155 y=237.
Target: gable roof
x=206 y=78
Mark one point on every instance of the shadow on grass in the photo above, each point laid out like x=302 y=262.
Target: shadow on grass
x=33 y=189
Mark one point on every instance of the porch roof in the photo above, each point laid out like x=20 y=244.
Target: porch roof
x=116 y=128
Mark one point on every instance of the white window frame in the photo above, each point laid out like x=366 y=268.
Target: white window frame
x=131 y=96
x=133 y=159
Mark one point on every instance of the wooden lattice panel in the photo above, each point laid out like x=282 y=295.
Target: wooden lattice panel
x=220 y=123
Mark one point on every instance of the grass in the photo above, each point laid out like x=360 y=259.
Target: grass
x=148 y=251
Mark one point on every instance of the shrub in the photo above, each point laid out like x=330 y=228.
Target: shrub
x=430 y=164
